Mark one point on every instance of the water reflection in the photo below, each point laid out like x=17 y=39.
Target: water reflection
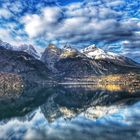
x=70 y=101
x=20 y=103
x=70 y=112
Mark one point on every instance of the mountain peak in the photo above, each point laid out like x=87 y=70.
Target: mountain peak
x=26 y=46
x=97 y=53
x=6 y=45
x=70 y=62
x=28 y=49
x=89 y=49
x=52 y=46
x=69 y=48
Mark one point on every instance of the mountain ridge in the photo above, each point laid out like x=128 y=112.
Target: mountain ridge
x=64 y=62
x=72 y=62
x=28 y=48
x=20 y=63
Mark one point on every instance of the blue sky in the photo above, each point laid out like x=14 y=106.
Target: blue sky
x=113 y=25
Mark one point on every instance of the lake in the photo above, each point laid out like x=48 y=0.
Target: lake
x=71 y=112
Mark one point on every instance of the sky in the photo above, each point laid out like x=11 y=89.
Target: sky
x=113 y=25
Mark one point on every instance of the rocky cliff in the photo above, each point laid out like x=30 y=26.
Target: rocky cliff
x=69 y=62
x=23 y=64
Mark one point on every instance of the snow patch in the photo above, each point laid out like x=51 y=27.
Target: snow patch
x=97 y=53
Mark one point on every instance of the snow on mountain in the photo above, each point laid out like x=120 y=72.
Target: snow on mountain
x=25 y=48
x=70 y=62
x=28 y=49
x=97 y=53
x=6 y=45
x=68 y=47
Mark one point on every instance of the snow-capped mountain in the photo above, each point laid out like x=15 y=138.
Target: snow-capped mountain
x=90 y=61
x=6 y=45
x=98 y=54
x=68 y=47
x=28 y=49
x=24 y=48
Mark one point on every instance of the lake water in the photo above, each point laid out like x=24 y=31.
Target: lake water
x=71 y=113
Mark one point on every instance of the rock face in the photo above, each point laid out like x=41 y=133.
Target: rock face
x=5 y=45
x=23 y=64
x=98 y=54
x=50 y=56
x=63 y=62
x=69 y=62
x=24 y=48
x=29 y=49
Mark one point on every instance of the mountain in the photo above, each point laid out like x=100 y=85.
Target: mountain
x=62 y=62
x=5 y=45
x=24 y=48
x=22 y=64
x=91 y=61
x=28 y=49
x=68 y=48
x=98 y=54
x=53 y=55
x=50 y=56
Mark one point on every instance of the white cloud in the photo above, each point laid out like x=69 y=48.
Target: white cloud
x=33 y=25
x=51 y=14
x=36 y=24
x=82 y=23
x=116 y=3
x=5 y=35
x=4 y=13
x=77 y=22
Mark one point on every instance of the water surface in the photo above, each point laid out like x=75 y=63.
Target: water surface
x=69 y=112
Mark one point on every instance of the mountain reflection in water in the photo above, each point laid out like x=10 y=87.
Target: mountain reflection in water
x=67 y=112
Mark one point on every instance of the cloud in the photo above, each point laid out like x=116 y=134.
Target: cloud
x=5 y=35
x=126 y=48
x=80 y=22
x=101 y=22
x=35 y=24
x=4 y=13
x=116 y=3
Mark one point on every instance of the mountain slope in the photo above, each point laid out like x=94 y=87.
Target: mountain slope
x=50 y=56
x=5 y=45
x=24 y=48
x=69 y=62
x=28 y=49
x=23 y=64
x=98 y=54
